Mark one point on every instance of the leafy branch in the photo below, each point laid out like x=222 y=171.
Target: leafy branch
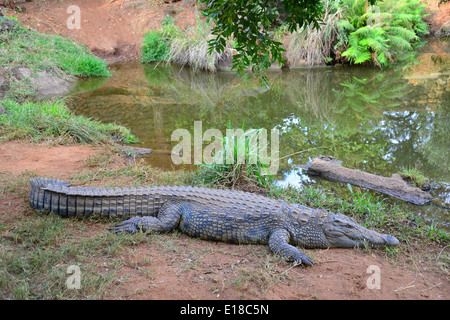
x=250 y=24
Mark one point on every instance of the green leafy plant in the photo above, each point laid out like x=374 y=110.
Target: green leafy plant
x=230 y=174
x=378 y=45
x=155 y=47
x=250 y=24
x=379 y=37
x=414 y=175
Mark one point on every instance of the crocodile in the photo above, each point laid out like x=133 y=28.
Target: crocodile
x=210 y=214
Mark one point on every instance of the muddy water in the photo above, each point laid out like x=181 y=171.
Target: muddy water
x=380 y=121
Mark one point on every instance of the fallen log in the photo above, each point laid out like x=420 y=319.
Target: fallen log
x=329 y=168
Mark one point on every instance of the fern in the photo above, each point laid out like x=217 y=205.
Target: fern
x=368 y=44
x=395 y=28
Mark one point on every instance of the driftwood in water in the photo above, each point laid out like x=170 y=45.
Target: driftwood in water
x=330 y=169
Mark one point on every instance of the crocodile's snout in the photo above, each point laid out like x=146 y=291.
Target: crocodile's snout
x=391 y=241
x=343 y=231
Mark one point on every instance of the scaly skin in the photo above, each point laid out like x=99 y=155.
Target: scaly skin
x=219 y=215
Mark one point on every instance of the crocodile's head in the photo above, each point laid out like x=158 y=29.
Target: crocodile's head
x=342 y=231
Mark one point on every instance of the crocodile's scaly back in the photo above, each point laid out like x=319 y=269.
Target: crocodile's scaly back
x=61 y=198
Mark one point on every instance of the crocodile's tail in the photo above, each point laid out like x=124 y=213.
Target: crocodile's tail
x=61 y=198
x=37 y=192
x=57 y=196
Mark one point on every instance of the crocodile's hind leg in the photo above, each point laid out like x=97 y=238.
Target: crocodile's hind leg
x=167 y=219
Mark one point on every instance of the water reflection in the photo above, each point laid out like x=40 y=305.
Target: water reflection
x=380 y=121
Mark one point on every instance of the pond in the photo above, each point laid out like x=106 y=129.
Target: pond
x=377 y=120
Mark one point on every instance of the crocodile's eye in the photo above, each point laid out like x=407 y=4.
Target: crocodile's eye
x=343 y=222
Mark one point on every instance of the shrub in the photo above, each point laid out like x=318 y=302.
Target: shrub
x=192 y=51
x=378 y=45
x=392 y=31
x=155 y=47
x=313 y=46
x=249 y=169
x=182 y=47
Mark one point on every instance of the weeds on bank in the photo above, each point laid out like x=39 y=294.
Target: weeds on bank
x=313 y=46
x=239 y=162
x=51 y=120
x=182 y=47
x=28 y=48
x=414 y=175
x=23 y=47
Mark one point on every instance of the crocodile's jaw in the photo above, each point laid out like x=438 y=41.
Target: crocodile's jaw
x=342 y=231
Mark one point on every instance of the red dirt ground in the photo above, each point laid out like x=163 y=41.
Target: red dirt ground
x=110 y=30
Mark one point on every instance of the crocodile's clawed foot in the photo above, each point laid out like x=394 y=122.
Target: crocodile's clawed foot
x=132 y=225
x=301 y=259
x=307 y=260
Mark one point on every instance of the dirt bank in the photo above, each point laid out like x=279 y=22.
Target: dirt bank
x=113 y=29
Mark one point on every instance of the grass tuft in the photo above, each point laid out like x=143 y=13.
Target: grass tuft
x=182 y=47
x=243 y=165
x=26 y=48
x=38 y=51
x=155 y=47
x=313 y=46
x=51 y=120
x=414 y=176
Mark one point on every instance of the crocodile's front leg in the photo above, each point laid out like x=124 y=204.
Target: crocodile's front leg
x=279 y=244
x=167 y=219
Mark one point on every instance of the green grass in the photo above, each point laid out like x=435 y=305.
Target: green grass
x=414 y=175
x=27 y=48
x=51 y=120
x=222 y=172
x=155 y=47
x=187 y=47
